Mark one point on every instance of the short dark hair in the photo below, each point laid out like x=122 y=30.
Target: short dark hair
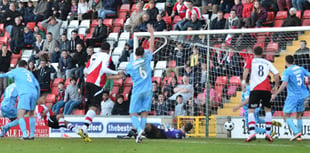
x=258 y=50
x=233 y=10
x=188 y=127
x=155 y=82
x=61 y=83
x=49 y=33
x=105 y=92
x=179 y=96
x=120 y=96
x=304 y=41
x=100 y=19
x=139 y=51
x=22 y=63
x=105 y=46
x=289 y=59
x=74 y=31
x=90 y=46
x=189 y=1
x=73 y=78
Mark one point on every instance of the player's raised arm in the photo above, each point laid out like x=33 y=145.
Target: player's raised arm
x=246 y=101
x=120 y=75
x=151 y=30
x=244 y=76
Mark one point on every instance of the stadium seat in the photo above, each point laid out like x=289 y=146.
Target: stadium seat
x=161 y=7
x=133 y=8
x=74 y=24
x=81 y=36
x=306 y=14
x=114 y=93
x=108 y=22
x=121 y=43
x=180 y=79
x=122 y=15
x=278 y=114
x=260 y=39
x=51 y=98
x=31 y=25
x=218 y=95
x=113 y=36
x=272 y=47
x=158 y=73
x=118 y=82
x=118 y=22
x=124 y=36
x=176 y=19
x=126 y=92
x=162 y=65
x=278 y=23
x=82 y=31
x=168 y=21
x=269 y=56
x=152 y=65
x=2 y=28
x=270 y=18
x=19 y=55
x=298 y=14
x=235 y=80
x=172 y=63
x=67 y=82
x=305 y=22
x=152 y=112
x=281 y=15
x=221 y=81
x=79 y=112
x=118 y=51
x=157 y=79
x=128 y=82
x=125 y=8
x=56 y=81
x=13 y=62
x=226 y=15
x=54 y=90
x=117 y=30
x=64 y=24
x=4 y=40
x=85 y=24
x=232 y=90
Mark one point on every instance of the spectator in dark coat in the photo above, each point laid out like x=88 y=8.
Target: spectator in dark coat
x=301 y=56
x=125 y=53
x=194 y=23
x=99 y=35
x=258 y=15
x=5 y=60
x=78 y=61
x=17 y=36
x=218 y=22
x=29 y=15
x=152 y=11
x=233 y=64
x=41 y=11
x=61 y=9
x=143 y=26
x=225 y=5
x=160 y=24
x=65 y=65
x=37 y=48
x=121 y=107
x=238 y=7
x=21 y=8
x=75 y=39
x=28 y=36
x=64 y=43
x=9 y=17
x=44 y=75
x=161 y=106
x=4 y=7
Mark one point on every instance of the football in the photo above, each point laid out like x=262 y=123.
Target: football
x=229 y=125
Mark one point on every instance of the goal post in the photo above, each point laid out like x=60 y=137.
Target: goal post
x=221 y=88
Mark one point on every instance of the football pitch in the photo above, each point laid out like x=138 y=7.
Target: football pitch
x=50 y=145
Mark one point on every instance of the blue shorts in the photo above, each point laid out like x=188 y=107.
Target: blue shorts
x=27 y=101
x=293 y=104
x=9 y=112
x=140 y=102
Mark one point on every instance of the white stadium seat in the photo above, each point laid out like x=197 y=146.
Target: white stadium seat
x=124 y=36
x=158 y=73
x=85 y=23
x=122 y=66
x=162 y=65
x=74 y=24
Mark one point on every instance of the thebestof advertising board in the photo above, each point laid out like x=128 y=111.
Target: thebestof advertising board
x=240 y=130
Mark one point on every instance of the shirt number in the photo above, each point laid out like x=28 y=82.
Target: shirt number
x=29 y=77
x=260 y=70
x=142 y=72
x=299 y=80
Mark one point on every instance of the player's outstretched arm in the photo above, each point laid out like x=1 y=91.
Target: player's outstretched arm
x=4 y=75
x=151 y=30
x=276 y=80
x=118 y=76
x=246 y=101
x=244 y=76
x=282 y=87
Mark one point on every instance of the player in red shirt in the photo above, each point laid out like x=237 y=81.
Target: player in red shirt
x=51 y=120
x=96 y=72
x=179 y=8
x=259 y=69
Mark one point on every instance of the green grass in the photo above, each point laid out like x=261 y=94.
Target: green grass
x=49 y=145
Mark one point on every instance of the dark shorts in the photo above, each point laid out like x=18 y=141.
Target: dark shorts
x=93 y=95
x=53 y=122
x=259 y=96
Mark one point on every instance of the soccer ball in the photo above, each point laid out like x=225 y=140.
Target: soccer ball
x=229 y=125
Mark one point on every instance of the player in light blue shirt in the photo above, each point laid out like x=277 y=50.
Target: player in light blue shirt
x=293 y=79
x=141 y=75
x=8 y=109
x=28 y=89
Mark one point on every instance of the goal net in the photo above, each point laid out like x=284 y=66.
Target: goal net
x=204 y=67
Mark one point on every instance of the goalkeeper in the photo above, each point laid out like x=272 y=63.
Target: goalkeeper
x=153 y=132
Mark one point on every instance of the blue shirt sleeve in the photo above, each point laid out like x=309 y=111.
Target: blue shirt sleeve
x=285 y=76
x=307 y=73
x=127 y=71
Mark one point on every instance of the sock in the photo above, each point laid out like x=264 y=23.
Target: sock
x=268 y=122
x=61 y=122
x=72 y=128
x=252 y=125
x=7 y=127
x=22 y=125
x=62 y=131
x=32 y=124
x=88 y=119
x=142 y=123
x=299 y=125
x=292 y=126
x=260 y=130
x=136 y=123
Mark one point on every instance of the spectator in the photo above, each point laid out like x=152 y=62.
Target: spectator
x=106 y=104
x=216 y=24
x=169 y=6
x=21 y=8
x=152 y=11
x=37 y=48
x=82 y=9
x=185 y=90
x=218 y=60
x=201 y=78
x=73 y=97
x=125 y=53
x=282 y=4
x=5 y=60
x=49 y=45
x=156 y=90
x=306 y=5
x=135 y=18
x=28 y=36
x=301 y=56
x=180 y=107
x=194 y=23
x=37 y=31
x=168 y=90
x=247 y=9
x=56 y=55
x=52 y=25
x=258 y=15
x=60 y=98
x=232 y=64
x=292 y=19
x=61 y=9
x=41 y=11
x=17 y=36
x=29 y=15
x=64 y=43
x=74 y=10
x=191 y=9
x=179 y=8
x=99 y=35
x=233 y=22
x=9 y=17
x=4 y=7
x=270 y=6
x=179 y=55
x=160 y=24
x=121 y=107
x=195 y=58
x=94 y=6
x=238 y=7
x=75 y=39
x=143 y=26
x=32 y=68
x=189 y=72
x=44 y=75
x=65 y=65
x=109 y=9
x=225 y=5
x=78 y=61
x=90 y=52
x=161 y=106
x=191 y=108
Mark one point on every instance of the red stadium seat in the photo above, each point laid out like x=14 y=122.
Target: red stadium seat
x=298 y=14
x=117 y=30
x=172 y=63
x=128 y=82
x=118 y=82
x=13 y=62
x=3 y=40
x=306 y=114
x=270 y=18
x=2 y=27
x=152 y=112
x=114 y=93
x=119 y=22
x=306 y=14
x=231 y=91
x=108 y=22
x=126 y=92
x=88 y=36
x=133 y=8
x=167 y=19
x=19 y=55
x=218 y=95
x=122 y=15
x=157 y=79
x=79 y=112
x=31 y=25
x=226 y=15
x=221 y=81
x=67 y=82
x=272 y=47
x=56 y=81
x=176 y=19
x=278 y=114
x=278 y=23
x=235 y=80
x=180 y=79
x=41 y=27
x=260 y=39
x=281 y=15
x=50 y=98
x=54 y=90
x=125 y=8
x=305 y=22
x=81 y=36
